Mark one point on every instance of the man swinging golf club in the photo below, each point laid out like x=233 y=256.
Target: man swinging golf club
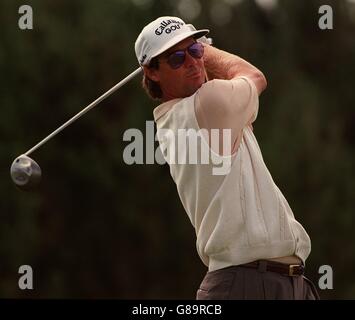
x=247 y=235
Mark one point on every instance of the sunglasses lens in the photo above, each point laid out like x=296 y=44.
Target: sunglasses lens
x=196 y=50
x=176 y=59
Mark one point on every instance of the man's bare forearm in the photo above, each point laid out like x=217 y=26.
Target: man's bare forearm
x=224 y=65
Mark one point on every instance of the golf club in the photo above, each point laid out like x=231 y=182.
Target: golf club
x=25 y=172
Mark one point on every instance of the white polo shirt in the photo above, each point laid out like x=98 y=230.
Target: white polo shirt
x=240 y=216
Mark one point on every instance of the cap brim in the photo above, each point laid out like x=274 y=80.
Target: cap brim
x=195 y=34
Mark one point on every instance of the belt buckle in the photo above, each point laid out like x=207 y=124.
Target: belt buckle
x=291 y=269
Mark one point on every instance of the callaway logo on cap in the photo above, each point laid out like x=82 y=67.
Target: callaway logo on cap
x=162 y=34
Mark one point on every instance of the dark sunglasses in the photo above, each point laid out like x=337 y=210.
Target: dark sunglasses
x=177 y=58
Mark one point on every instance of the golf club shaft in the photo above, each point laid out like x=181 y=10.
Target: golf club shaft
x=86 y=109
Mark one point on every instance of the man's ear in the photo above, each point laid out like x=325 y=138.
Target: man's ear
x=151 y=73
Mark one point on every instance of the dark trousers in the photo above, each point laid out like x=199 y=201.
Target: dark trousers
x=241 y=283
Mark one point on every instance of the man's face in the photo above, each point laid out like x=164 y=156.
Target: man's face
x=183 y=81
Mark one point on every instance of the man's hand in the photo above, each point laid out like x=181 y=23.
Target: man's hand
x=206 y=40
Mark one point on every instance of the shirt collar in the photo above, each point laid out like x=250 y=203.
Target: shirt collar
x=163 y=108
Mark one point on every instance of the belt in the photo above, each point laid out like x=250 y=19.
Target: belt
x=285 y=269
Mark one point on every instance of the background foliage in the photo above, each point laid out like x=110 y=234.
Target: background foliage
x=98 y=228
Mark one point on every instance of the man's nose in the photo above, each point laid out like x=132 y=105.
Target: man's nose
x=189 y=60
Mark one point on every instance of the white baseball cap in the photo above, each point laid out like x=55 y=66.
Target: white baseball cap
x=162 y=34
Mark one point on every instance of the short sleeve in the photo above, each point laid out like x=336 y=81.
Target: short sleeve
x=227 y=104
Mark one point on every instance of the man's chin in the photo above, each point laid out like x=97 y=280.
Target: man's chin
x=193 y=89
